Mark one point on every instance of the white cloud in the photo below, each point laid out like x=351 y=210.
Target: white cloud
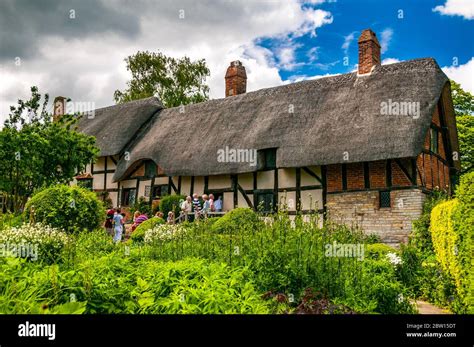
x=91 y=68
x=347 y=42
x=299 y=78
x=463 y=8
x=385 y=38
x=387 y=61
x=462 y=74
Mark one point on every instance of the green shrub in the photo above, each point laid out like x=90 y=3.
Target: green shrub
x=378 y=250
x=142 y=205
x=236 y=220
x=8 y=220
x=171 y=203
x=139 y=233
x=72 y=209
x=35 y=242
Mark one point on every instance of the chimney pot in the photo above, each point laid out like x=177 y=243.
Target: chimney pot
x=59 y=107
x=369 y=51
x=235 y=79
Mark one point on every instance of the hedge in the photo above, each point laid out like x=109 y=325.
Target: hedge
x=452 y=234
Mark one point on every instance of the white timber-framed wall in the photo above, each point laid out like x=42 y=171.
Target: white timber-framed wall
x=294 y=189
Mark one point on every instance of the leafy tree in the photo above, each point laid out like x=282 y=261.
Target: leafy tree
x=463 y=103
x=36 y=152
x=175 y=81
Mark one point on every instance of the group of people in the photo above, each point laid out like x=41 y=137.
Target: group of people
x=191 y=207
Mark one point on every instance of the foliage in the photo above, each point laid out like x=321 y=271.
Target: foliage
x=34 y=242
x=237 y=219
x=171 y=203
x=118 y=284
x=378 y=250
x=8 y=220
x=138 y=234
x=70 y=208
x=175 y=81
x=463 y=221
x=36 y=152
x=104 y=196
x=465 y=125
x=463 y=103
x=143 y=206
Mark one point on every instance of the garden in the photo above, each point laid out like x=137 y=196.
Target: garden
x=57 y=258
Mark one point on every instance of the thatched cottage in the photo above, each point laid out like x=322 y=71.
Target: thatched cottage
x=363 y=147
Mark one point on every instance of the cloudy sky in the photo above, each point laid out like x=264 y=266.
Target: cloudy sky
x=76 y=48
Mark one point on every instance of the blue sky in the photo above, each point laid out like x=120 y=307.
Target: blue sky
x=76 y=48
x=411 y=30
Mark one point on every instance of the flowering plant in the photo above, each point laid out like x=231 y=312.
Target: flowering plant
x=164 y=232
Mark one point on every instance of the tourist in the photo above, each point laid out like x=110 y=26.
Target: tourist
x=159 y=214
x=218 y=204
x=137 y=220
x=206 y=206
x=211 y=203
x=196 y=206
x=109 y=228
x=118 y=226
x=186 y=208
x=170 y=219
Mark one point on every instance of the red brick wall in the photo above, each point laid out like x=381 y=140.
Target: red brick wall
x=334 y=178
x=398 y=176
x=377 y=174
x=355 y=176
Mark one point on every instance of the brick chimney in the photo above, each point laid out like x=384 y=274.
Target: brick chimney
x=59 y=107
x=235 y=79
x=369 y=51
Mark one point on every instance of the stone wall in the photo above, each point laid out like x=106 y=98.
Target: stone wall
x=361 y=209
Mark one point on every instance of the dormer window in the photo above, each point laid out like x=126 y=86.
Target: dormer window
x=266 y=159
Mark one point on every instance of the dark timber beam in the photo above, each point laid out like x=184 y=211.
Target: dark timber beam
x=388 y=173
x=171 y=185
x=324 y=184
x=275 y=190
x=344 y=176
x=244 y=194
x=312 y=174
x=235 y=182
x=298 y=189
x=206 y=184
x=366 y=175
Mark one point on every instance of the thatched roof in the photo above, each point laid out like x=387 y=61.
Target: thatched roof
x=334 y=119
x=114 y=126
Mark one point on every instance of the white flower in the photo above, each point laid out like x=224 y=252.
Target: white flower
x=164 y=232
x=400 y=298
x=394 y=259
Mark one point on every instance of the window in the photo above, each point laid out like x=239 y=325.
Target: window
x=384 y=199
x=434 y=140
x=147 y=191
x=128 y=196
x=267 y=159
x=150 y=169
x=85 y=183
x=265 y=202
x=160 y=190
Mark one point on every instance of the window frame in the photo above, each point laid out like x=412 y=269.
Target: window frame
x=381 y=199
